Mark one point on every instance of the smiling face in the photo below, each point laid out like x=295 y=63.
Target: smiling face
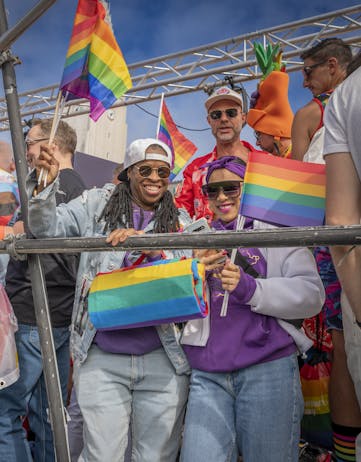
x=225 y=208
x=226 y=129
x=147 y=191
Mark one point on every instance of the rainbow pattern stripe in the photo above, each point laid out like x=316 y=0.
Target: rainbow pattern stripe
x=283 y=191
x=181 y=147
x=147 y=295
x=94 y=68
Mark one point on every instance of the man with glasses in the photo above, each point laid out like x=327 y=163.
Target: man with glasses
x=226 y=115
x=27 y=396
x=325 y=67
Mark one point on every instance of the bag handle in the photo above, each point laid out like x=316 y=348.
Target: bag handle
x=141 y=258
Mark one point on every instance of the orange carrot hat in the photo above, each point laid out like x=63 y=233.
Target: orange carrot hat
x=272 y=113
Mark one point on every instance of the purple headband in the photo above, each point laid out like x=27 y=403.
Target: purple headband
x=231 y=163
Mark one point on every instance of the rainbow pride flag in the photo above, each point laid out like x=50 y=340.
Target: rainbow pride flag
x=181 y=147
x=94 y=68
x=283 y=191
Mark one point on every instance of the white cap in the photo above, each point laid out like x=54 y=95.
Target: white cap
x=136 y=152
x=223 y=93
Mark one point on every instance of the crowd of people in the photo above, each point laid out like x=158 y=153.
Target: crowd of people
x=221 y=388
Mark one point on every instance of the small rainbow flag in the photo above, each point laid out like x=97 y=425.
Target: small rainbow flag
x=94 y=68
x=284 y=191
x=181 y=147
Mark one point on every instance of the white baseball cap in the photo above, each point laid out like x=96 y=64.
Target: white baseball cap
x=223 y=93
x=136 y=152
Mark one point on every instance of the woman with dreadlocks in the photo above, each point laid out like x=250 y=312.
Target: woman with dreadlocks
x=135 y=375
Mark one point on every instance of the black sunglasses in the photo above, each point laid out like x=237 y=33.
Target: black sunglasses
x=307 y=70
x=146 y=170
x=215 y=115
x=228 y=188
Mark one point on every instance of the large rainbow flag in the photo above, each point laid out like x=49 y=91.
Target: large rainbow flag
x=181 y=147
x=94 y=68
x=283 y=191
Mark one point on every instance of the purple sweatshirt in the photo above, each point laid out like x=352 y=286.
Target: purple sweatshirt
x=242 y=338
x=136 y=341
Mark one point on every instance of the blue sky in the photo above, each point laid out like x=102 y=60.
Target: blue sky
x=147 y=29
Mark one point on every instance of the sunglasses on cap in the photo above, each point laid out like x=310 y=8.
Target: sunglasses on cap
x=146 y=170
x=307 y=70
x=230 y=113
x=228 y=188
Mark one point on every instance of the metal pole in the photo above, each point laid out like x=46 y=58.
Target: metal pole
x=273 y=237
x=10 y=35
x=50 y=367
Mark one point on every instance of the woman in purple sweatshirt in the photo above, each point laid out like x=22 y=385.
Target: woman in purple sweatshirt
x=245 y=395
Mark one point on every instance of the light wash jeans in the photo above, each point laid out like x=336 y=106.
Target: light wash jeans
x=115 y=390
x=255 y=411
x=27 y=397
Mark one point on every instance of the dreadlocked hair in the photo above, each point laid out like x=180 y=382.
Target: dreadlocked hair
x=118 y=212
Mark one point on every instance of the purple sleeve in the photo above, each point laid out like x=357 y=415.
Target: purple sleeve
x=245 y=288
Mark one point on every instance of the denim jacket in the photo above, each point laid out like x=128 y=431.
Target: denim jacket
x=79 y=217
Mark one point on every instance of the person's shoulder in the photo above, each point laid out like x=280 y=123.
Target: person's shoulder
x=71 y=184
x=311 y=108
x=199 y=161
x=70 y=175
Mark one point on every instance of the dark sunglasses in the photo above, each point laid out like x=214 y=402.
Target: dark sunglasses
x=231 y=113
x=228 y=188
x=146 y=170
x=307 y=70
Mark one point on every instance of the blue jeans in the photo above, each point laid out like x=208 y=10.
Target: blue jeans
x=254 y=411
x=27 y=397
x=115 y=390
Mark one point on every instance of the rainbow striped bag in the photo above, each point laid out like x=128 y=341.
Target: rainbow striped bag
x=149 y=294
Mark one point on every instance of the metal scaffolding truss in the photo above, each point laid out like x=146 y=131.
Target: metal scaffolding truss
x=206 y=66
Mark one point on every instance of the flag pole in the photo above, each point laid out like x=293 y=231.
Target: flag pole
x=241 y=220
x=159 y=116
x=60 y=103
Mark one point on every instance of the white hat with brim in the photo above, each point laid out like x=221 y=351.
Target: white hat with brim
x=136 y=152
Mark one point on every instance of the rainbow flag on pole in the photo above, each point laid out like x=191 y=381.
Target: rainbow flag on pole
x=284 y=191
x=94 y=68
x=181 y=147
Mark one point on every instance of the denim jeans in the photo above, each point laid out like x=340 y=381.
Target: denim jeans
x=27 y=397
x=254 y=411
x=115 y=390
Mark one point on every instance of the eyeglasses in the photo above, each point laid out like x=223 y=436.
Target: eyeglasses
x=257 y=135
x=30 y=142
x=146 y=170
x=307 y=70
x=228 y=188
x=231 y=113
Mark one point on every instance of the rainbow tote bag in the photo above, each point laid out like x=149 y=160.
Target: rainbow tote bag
x=148 y=294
